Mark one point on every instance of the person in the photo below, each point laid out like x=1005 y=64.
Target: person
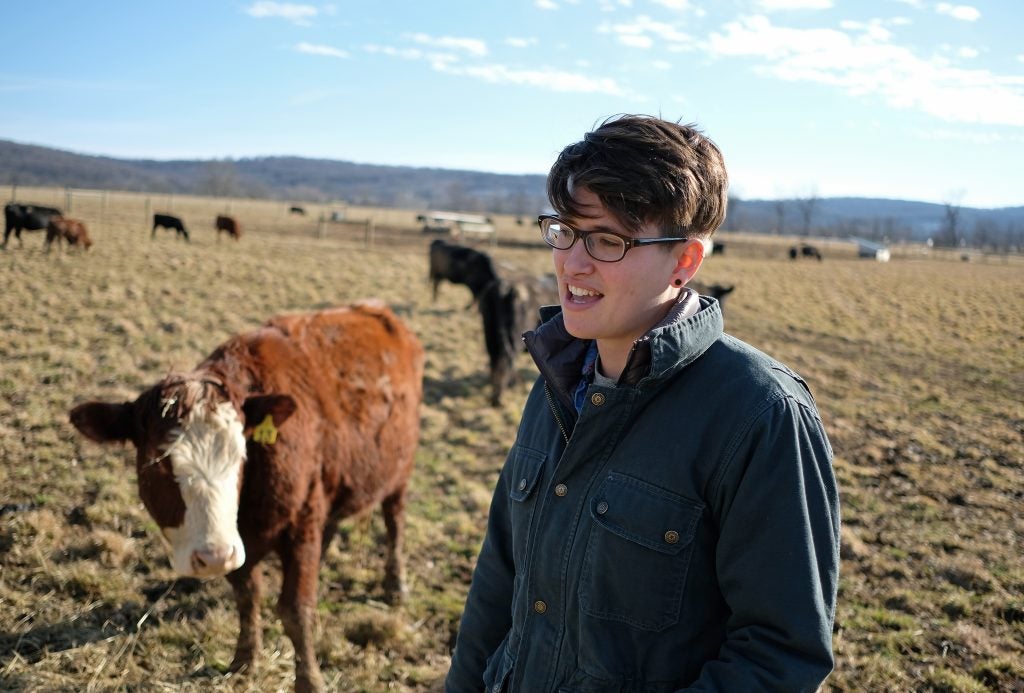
x=667 y=518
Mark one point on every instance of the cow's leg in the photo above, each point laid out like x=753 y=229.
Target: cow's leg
x=246 y=583
x=300 y=565
x=394 y=566
x=153 y=234
x=434 y=280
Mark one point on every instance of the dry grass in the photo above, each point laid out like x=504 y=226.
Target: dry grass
x=918 y=366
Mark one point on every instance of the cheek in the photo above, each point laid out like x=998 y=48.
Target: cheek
x=161 y=495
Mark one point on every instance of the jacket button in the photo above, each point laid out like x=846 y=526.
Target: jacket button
x=597 y=398
x=561 y=490
x=672 y=536
x=602 y=508
x=522 y=484
x=539 y=606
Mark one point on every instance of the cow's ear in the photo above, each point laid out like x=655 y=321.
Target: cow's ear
x=103 y=422
x=259 y=407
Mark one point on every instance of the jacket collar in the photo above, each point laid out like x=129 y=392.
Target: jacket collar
x=692 y=325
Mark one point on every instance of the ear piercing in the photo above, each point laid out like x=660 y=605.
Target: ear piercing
x=678 y=282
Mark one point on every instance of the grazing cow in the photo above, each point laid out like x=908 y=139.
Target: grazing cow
x=509 y=308
x=266 y=445
x=169 y=222
x=71 y=230
x=718 y=292
x=229 y=226
x=460 y=265
x=19 y=217
x=295 y=209
x=804 y=250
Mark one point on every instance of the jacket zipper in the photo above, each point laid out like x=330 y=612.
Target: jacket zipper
x=554 y=411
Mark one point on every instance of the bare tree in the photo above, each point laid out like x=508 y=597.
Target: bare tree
x=950 y=234
x=732 y=212
x=220 y=179
x=806 y=207
x=780 y=216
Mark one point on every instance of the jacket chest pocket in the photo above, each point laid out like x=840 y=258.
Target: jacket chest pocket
x=526 y=472
x=638 y=553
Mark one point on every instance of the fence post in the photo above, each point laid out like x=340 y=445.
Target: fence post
x=149 y=217
x=67 y=198
x=370 y=231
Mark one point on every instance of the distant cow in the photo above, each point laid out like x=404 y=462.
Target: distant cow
x=266 y=445
x=169 y=222
x=718 y=292
x=71 y=230
x=295 y=209
x=509 y=308
x=804 y=250
x=460 y=265
x=229 y=226
x=19 y=217
x=718 y=248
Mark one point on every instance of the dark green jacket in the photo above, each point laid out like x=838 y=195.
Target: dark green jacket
x=681 y=533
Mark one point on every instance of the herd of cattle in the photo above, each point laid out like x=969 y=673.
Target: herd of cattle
x=28 y=217
x=245 y=454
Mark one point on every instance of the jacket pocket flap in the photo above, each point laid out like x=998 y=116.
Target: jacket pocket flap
x=645 y=514
x=526 y=467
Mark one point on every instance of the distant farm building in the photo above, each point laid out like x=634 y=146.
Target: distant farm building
x=458 y=225
x=871 y=250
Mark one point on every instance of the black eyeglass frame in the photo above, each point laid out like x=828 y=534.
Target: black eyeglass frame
x=627 y=241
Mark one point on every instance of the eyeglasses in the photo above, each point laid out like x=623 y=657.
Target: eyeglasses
x=605 y=246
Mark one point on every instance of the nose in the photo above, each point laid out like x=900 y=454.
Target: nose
x=213 y=560
x=576 y=259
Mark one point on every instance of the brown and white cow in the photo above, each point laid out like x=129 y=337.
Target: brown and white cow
x=228 y=225
x=71 y=230
x=266 y=445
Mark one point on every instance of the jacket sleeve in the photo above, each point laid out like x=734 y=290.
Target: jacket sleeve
x=777 y=508
x=487 y=616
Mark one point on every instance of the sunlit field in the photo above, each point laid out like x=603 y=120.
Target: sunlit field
x=917 y=366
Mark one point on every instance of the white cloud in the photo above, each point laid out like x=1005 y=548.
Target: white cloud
x=636 y=40
x=661 y=65
x=297 y=14
x=544 y=78
x=916 y=4
x=469 y=45
x=964 y=13
x=545 y=5
x=517 y=42
x=639 y=32
x=314 y=49
x=861 y=64
x=776 y=5
x=967 y=52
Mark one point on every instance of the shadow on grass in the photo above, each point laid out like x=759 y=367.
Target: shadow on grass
x=104 y=622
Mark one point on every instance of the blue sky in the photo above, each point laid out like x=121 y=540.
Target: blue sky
x=910 y=99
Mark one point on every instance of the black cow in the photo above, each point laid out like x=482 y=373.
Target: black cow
x=295 y=209
x=169 y=222
x=718 y=248
x=804 y=250
x=509 y=307
x=460 y=265
x=717 y=291
x=18 y=217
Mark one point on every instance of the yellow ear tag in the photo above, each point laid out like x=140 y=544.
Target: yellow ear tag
x=265 y=432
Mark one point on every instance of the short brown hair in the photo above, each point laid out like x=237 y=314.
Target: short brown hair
x=645 y=170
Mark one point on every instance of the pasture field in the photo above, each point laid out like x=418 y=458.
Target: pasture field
x=917 y=366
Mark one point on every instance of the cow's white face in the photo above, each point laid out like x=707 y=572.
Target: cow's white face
x=206 y=452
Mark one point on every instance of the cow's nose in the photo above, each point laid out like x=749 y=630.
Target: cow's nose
x=212 y=560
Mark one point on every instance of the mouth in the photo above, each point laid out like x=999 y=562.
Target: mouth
x=579 y=295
